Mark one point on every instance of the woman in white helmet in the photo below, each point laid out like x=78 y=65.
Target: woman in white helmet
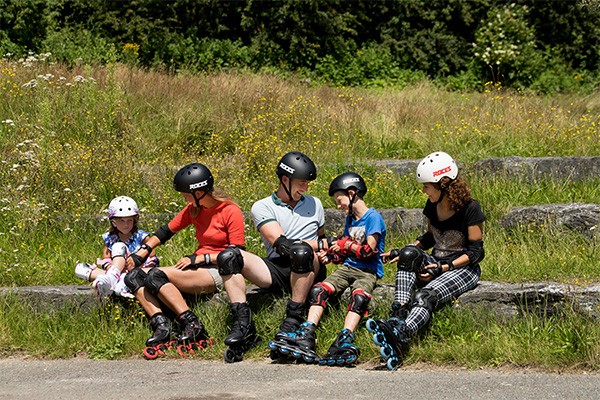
x=426 y=280
x=122 y=239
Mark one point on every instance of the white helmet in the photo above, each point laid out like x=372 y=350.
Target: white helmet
x=122 y=206
x=435 y=166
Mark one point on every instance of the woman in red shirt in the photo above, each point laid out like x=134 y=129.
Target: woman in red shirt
x=219 y=223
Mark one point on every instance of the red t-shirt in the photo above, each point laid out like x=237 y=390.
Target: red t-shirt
x=216 y=227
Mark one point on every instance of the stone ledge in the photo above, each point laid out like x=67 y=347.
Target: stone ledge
x=531 y=169
x=506 y=300
x=580 y=217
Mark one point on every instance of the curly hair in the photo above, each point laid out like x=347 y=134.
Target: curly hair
x=457 y=191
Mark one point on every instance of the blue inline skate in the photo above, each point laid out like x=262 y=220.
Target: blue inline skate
x=299 y=344
x=343 y=351
x=391 y=335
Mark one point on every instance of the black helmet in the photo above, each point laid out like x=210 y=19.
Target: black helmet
x=193 y=177
x=346 y=181
x=296 y=165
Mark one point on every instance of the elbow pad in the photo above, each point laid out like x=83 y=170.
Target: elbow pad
x=426 y=240
x=164 y=233
x=475 y=251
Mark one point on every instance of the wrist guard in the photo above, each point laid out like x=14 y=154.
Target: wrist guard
x=282 y=246
x=138 y=260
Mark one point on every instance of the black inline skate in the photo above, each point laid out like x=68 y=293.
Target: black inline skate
x=160 y=340
x=343 y=351
x=243 y=333
x=193 y=335
x=300 y=345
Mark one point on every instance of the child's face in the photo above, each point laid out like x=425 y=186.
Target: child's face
x=123 y=224
x=432 y=192
x=342 y=201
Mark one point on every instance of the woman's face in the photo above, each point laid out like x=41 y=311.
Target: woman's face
x=432 y=192
x=124 y=224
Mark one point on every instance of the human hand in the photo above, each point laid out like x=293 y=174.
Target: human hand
x=183 y=263
x=390 y=256
x=430 y=272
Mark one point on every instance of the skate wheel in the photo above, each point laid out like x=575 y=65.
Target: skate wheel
x=296 y=354
x=308 y=359
x=393 y=363
x=184 y=350
x=386 y=351
x=272 y=345
x=230 y=356
x=371 y=325
x=283 y=350
x=379 y=339
x=274 y=355
x=150 y=353
x=351 y=360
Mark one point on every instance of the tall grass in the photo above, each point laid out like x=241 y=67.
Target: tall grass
x=72 y=139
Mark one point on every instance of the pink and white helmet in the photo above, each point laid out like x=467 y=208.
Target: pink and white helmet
x=122 y=206
x=435 y=166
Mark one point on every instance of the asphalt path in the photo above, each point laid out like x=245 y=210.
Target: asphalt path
x=193 y=379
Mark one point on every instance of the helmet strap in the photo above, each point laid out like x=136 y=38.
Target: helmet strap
x=288 y=188
x=350 y=209
x=198 y=200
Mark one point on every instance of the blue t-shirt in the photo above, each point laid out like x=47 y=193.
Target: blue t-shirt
x=370 y=224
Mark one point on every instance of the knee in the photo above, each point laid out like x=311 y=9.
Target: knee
x=118 y=249
x=302 y=256
x=230 y=261
x=426 y=298
x=410 y=259
x=359 y=302
x=156 y=279
x=135 y=279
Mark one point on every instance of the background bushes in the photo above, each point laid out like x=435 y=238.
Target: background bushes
x=542 y=45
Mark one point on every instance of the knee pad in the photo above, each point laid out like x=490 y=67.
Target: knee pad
x=426 y=298
x=230 y=261
x=318 y=294
x=156 y=279
x=302 y=256
x=135 y=279
x=411 y=259
x=118 y=249
x=359 y=302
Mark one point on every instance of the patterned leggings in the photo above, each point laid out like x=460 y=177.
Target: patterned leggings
x=447 y=287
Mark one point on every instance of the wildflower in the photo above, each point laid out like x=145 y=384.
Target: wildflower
x=9 y=122
x=31 y=84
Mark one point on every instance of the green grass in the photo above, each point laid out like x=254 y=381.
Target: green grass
x=83 y=136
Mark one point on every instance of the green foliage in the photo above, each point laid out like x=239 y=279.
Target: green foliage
x=82 y=47
x=545 y=46
x=371 y=66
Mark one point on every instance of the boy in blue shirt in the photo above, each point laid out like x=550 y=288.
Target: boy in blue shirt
x=357 y=253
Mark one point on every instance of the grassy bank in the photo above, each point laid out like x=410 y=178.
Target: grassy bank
x=72 y=139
